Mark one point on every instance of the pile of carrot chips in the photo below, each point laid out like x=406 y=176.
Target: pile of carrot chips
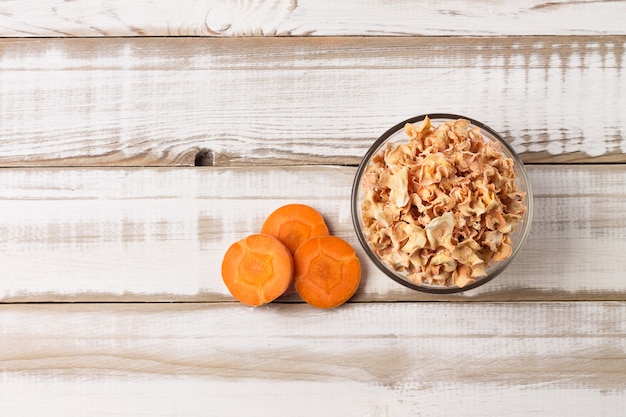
x=441 y=207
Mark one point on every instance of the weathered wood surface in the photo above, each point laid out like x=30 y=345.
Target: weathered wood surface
x=426 y=359
x=79 y=102
x=309 y=18
x=159 y=234
x=111 y=300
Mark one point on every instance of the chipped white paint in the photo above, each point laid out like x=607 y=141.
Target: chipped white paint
x=309 y=17
x=160 y=234
x=98 y=235
x=269 y=101
x=379 y=359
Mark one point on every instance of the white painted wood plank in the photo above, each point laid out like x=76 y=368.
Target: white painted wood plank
x=77 y=102
x=426 y=359
x=159 y=234
x=309 y=17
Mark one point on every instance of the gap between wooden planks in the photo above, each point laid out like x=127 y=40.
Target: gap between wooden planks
x=159 y=234
x=269 y=101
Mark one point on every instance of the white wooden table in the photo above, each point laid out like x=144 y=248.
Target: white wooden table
x=111 y=238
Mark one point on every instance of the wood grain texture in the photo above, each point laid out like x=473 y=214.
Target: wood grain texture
x=111 y=299
x=159 y=234
x=137 y=102
x=309 y=18
x=427 y=359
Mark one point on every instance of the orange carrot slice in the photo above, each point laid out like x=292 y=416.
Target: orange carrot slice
x=293 y=224
x=257 y=269
x=327 y=271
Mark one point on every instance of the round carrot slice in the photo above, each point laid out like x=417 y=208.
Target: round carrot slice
x=293 y=224
x=257 y=269
x=327 y=271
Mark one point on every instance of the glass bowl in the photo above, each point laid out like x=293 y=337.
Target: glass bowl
x=397 y=135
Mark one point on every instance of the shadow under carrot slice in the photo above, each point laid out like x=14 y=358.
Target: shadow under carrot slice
x=257 y=269
x=327 y=271
x=293 y=224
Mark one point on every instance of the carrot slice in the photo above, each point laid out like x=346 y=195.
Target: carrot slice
x=293 y=224
x=327 y=271
x=257 y=269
